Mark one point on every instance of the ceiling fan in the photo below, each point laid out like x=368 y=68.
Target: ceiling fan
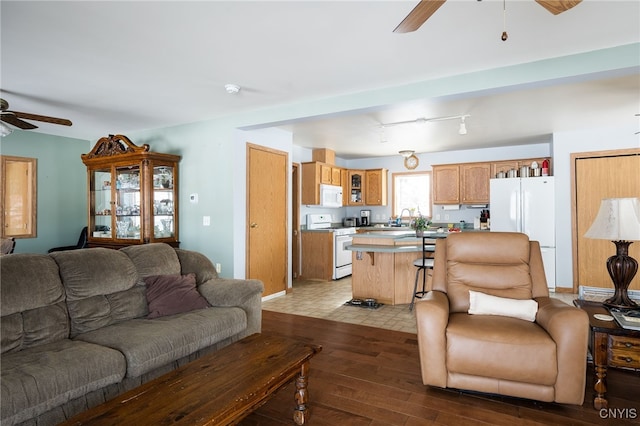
x=426 y=8
x=15 y=118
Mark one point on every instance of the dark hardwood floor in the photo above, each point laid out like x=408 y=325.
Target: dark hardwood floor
x=371 y=376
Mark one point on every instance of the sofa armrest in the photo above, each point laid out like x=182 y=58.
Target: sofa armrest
x=568 y=326
x=245 y=294
x=432 y=317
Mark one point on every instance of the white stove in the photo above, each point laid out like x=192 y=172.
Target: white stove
x=343 y=237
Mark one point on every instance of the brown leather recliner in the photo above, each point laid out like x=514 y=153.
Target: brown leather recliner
x=543 y=360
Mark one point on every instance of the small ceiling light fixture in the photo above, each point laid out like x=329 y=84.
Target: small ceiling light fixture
x=406 y=153
x=232 y=89
x=505 y=36
x=5 y=130
x=463 y=127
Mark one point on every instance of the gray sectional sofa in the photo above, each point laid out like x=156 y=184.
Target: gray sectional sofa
x=75 y=327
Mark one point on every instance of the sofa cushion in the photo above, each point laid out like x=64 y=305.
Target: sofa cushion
x=151 y=343
x=32 y=302
x=495 y=263
x=153 y=259
x=494 y=346
x=173 y=294
x=38 y=379
x=102 y=286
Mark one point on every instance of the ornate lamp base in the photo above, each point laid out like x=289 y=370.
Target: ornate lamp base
x=622 y=269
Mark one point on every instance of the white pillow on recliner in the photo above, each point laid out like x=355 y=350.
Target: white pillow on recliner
x=485 y=304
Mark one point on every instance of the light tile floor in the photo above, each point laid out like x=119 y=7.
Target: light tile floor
x=326 y=299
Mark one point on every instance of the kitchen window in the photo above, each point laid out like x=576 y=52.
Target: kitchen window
x=411 y=190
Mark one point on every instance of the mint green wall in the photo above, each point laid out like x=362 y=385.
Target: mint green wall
x=62 y=187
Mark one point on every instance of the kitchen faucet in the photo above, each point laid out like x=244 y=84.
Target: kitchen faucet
x=410 y=215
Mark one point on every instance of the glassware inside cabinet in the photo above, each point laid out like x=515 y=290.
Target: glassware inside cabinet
x=128 y=202
x=101 y=203
x=163 y=202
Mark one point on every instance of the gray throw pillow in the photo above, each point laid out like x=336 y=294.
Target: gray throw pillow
x=173 y=294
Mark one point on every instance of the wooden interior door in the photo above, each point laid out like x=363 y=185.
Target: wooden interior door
x=611 y=174
x=267 y=245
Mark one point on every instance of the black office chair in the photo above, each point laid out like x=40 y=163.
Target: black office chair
x=82 y=242
x=424 y=264
x=7 y=245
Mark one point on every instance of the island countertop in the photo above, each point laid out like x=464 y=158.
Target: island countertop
x=392 y=241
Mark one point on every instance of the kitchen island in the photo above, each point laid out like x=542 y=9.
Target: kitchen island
x=383 y=264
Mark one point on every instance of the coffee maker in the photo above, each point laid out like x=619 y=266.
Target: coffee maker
x=365 y=217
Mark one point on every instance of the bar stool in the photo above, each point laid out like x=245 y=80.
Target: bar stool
x=423 y=264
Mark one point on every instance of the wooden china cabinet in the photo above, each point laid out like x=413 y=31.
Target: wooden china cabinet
x=132 y=193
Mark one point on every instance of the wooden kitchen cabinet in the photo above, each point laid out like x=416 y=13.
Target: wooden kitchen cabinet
x=132 y=193
x=446 y=184
x=474 y=183
x=376 y=187
x=354 y=187
x=313 y=175
x=317 y=255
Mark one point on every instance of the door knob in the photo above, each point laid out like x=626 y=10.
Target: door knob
x=254 y=225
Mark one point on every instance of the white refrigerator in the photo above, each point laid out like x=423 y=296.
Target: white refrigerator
x=527 y=205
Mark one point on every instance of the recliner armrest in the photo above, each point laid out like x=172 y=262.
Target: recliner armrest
x=432 y=317
x=568 y=326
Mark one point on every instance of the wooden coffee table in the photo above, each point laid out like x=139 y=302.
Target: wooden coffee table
x=217 y=389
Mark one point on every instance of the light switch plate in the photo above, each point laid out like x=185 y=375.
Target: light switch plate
x=206 y=220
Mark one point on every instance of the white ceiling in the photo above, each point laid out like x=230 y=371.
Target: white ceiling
x=118 y=67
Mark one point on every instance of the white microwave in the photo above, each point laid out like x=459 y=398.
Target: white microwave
x=330 y=195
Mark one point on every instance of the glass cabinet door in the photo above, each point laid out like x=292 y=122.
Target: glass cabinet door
x=101 y=212
x=163 y=202
x=128 y=203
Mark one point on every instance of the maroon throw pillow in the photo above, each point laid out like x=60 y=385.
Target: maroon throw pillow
x=173 y=294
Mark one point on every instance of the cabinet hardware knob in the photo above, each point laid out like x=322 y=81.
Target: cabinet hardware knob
x=254 y=225
x=628 y=359
x=628 y=344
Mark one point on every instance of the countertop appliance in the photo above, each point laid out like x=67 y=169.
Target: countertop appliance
x=350 y=222
x=342 y=237
x=365 y=217
x=330 y=195
x=527 y=205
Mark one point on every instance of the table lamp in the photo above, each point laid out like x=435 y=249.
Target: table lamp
x=618 y=220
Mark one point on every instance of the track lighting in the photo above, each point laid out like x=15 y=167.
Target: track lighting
x=463 y=127
x=422 y=120
x=5 y=130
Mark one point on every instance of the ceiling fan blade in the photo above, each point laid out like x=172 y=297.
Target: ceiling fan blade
x=10 y=118
x=44 y=118
x=558 y=6
x=418 y=15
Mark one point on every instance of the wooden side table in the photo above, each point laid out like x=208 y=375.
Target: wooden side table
x=610 y=346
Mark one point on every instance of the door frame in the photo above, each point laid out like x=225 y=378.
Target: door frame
x=296 y=244
x=574 y=226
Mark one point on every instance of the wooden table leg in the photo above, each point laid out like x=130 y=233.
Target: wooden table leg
x=301 y=395
x=600 y=363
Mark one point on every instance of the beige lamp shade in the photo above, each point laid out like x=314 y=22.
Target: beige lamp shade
x=618 y=220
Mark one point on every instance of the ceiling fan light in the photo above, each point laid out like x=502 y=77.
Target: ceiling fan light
x=5 y=130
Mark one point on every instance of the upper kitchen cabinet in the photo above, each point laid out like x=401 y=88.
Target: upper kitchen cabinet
x=353 y=187
x=474 y=183
x=315 y=173
x=132 y=193
x=446 y=184
x=375 y=189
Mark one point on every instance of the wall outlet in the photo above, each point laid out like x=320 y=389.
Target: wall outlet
x=446 y=217
x=206 y=220
x=218 y=268
x=437 y=217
